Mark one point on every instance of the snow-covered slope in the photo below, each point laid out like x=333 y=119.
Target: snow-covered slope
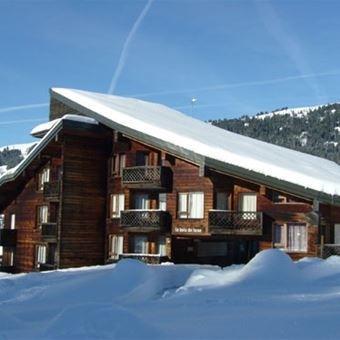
x=23 y=148
x=269 y=298
x=295 y=112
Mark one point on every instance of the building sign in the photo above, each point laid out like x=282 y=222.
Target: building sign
x=188 y=230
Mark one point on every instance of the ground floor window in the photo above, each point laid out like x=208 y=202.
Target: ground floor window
x=40 y=254
x=8 y=258
x=116 y=245
x=291 y=236
x=162 y=245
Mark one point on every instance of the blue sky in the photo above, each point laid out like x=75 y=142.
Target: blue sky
x=235 y=57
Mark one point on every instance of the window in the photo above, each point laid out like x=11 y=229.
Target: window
x=141 y=245
x=297 y=237
x=40 y=254
x=8 y=258
x=222 y=201
x=291 y=236
x=116 y=243
x=142 y=158
x=248 y=205
x=117 y=205
x=118 y=163
x=191 y=205
x=162 y=246
x=248 y=202
x=12 y=221
x=43 y=177
x=2 y=221
x=42 y=215
x=142 y=201
x=162 y=202
x=279 y=235
x=336 y=233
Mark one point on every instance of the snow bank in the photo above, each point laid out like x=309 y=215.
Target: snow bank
x=269 y=268
x=271 y=296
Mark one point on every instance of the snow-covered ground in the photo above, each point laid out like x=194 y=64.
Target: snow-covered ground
x=269 y=298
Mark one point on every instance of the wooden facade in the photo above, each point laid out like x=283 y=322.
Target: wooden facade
x=109 y=196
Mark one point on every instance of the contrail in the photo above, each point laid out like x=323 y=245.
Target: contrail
x=241 y=84
x=10 y=122
x=288 y=42
x=22 y=107
x=123 y=54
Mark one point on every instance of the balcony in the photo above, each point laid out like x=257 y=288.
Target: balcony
x=147 y=177
x=146 y=258
x=145 y=220
x=330 y=250
x=49 y=232
x=8 y=237
x=52 y=190
x=235 y=223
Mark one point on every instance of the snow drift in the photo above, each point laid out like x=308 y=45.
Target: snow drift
x=271 y=297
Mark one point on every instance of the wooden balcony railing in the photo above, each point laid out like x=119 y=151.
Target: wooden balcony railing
x=330 y=249
x=234 y=222
x=147 y=258
x=49 y=231
x=145 y=220
x=51 y=190
x=8 y=237
x=147 y=177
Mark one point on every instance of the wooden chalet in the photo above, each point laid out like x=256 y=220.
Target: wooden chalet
x=117 y=177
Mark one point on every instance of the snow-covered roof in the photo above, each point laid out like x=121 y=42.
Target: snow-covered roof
x=189 y=134
x=51 y=130
x=41 y=129
x=198 y=141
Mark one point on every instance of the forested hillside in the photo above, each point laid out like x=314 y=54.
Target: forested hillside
x=314 y=130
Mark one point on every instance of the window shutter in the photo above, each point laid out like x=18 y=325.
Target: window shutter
x=183 y=205
x=12 y=221
x=113 y=205
x=121 y=203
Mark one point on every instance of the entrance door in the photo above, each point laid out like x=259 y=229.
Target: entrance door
x=337 y=233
